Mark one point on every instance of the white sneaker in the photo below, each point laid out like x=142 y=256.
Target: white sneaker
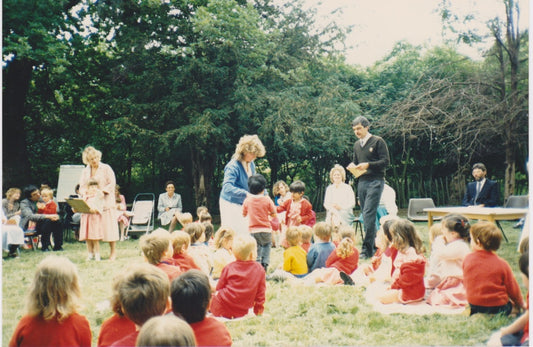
x=90 y=256
x=97 y=257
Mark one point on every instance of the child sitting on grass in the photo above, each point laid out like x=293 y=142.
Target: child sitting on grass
x=117 y=326
x=198 y=250
x=166 y=330
x=185 y=219
x=157 y=250
x=489 y=281
x=410 y=264
x=294 y=257
x=307 y=235
x=447 y=272
x=191 y=295
x=51 y=308
x=143 y=293
x=242 y=283
x=180 y=245
x=382 y=263
x=223 y=254
x=322 y=248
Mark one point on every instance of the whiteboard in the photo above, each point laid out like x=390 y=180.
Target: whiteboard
x=69 y=176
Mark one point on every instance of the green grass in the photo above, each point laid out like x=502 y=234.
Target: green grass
x=294 y=315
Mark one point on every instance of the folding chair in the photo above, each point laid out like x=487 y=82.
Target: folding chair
x=415 y=210
x=143 y=214
x=514 y=201
x=32 y=238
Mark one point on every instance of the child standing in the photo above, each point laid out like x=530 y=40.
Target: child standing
x=180 y=244
x=223 y=254
x=447 y=271
x=259 y=207
x=488 y=279
x=408 y=277
x=242 y=283
x=191 y=295
x=51 y=306
x=298 y=210
x=90 y=223
x=322 y=248
x=157 y=250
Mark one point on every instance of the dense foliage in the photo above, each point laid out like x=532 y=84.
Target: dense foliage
x=166 y=88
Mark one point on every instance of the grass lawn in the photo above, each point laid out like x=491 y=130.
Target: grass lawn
x=294 y=315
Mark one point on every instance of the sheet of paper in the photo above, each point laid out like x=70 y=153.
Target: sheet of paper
x=79 y=205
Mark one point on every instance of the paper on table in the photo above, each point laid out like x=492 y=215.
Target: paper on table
x=356 y=172
x=79 y=205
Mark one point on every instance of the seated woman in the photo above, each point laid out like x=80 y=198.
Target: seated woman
x=169 y=206
x=11 y=204
x=12 y=235
x=339 y=199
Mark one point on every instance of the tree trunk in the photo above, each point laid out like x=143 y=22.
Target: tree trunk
x=16 y=164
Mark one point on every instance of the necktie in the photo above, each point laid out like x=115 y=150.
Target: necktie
x=478 y=189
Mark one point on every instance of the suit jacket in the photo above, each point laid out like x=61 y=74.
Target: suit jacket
x=28 y=212
x=489 y=194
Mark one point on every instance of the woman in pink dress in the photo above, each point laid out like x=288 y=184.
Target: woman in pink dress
x=105 y=176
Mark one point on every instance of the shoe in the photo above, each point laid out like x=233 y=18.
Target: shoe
x=346 y=279
x=12 y=255
x=45 y=250
x=90 y=256
x=97 y=257
x=60 y=249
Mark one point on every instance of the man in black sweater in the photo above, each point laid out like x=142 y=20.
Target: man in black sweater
x=371 y=156
x=483 y=192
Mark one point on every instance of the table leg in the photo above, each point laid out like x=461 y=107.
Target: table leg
x=430 y=219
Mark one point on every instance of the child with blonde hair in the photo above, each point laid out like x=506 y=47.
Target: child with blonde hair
x=49 y=206
x=51 y=308
x=117 y=326
x=143 y=292
x=180 y=245
x=242 y=284
x=223 y=254
x=445 y=274
x=295 y=257
x=185 y=218
x=165 y=330
x=345 y=258
x=322 y=248
x=157 y=250
x=489 y=280
x=408 y=277
x=307 y=235
x=198 y=250
x=90 y=224
x=200 y=210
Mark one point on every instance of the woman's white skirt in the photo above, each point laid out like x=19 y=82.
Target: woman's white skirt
x=231 y=217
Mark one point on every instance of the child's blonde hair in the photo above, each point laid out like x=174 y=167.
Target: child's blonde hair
x=487 y=235
x=523 y=247
x=322 y=230
x=195 y=231
x=345 y=248
x=167 y=330
x=404 y=235
x=179 y=239
x=293 y=236
x=243 y=247
x=200 y=210
x=143 y=292
x=154 y=245
x=347 y=231
x=434 y=231
x=185 y=218
x=47 y=192
x=307 y=232
x=275 y=188
x=205 y=217
x=55 y=290
x=223 y=233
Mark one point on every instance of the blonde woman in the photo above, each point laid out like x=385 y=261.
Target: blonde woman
x=105 y=177
x=235 y=185
x=339 y=200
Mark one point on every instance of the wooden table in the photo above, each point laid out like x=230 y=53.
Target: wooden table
x=491 y=214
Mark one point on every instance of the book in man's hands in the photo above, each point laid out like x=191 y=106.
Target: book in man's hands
x=79 y=205
x=356 y=172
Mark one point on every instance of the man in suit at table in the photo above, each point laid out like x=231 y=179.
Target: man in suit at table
x=482 y=192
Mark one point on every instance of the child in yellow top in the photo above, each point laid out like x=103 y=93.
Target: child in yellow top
x=295 y=257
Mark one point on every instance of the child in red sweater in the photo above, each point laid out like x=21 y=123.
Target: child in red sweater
x=489 y=281
x=49 y=206
x=157 y=250
x=307 y=235
x=143 y=293
x=299 y=210
x=180 y=244
x=167 y=330
x=242 y=283
x=52 y=303
x=191 y=294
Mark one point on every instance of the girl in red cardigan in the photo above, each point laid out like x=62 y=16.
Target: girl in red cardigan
x=52 y=303
x=410 y=264
x=489 y=281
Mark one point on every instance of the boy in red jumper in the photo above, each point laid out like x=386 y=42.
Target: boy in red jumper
x=488 y=279
x=191 y=294
x=157 y=250
x=242 y=283
x=143 y=293
x=180 y=243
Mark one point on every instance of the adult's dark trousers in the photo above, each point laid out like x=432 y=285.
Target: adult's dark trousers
x=49 y=228
x=369 y=193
